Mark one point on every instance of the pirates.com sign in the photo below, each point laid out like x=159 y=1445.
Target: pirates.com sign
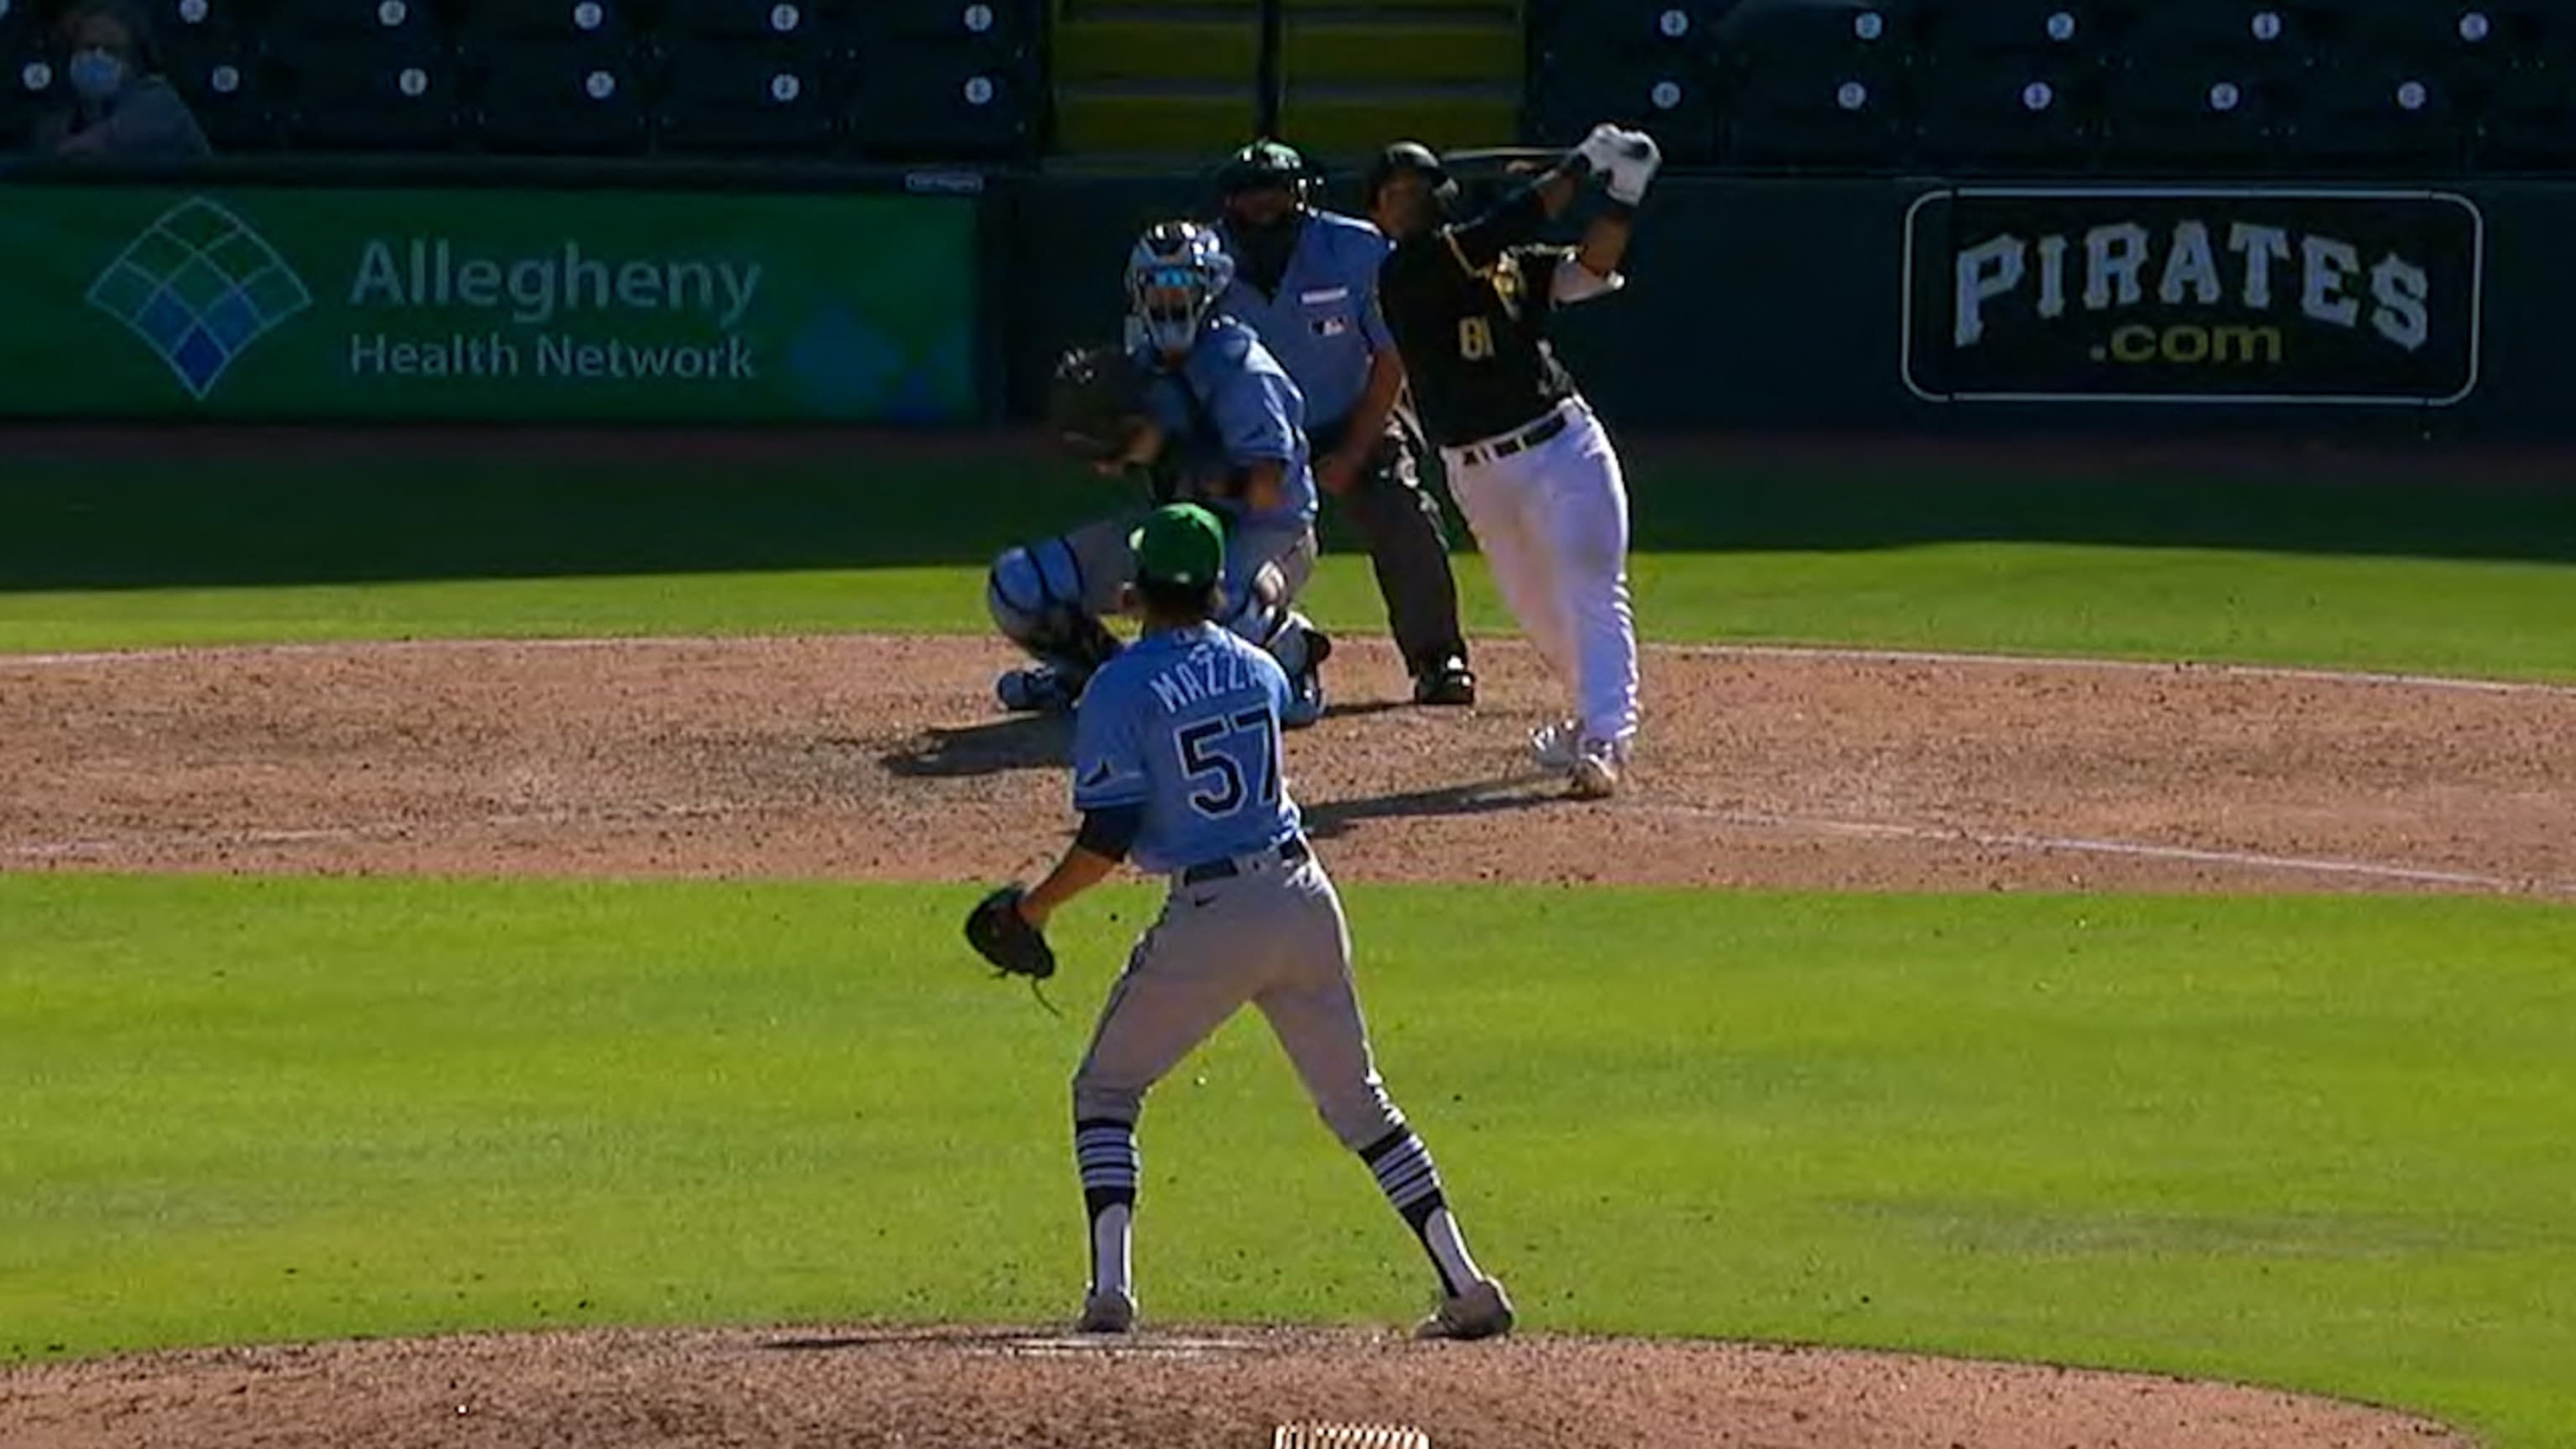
x=2173 y=294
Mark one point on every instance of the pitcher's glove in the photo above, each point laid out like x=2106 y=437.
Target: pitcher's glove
x=1001 y=935
x=1093 y=400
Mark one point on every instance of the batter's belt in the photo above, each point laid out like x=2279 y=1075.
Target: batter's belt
x=1520 y=440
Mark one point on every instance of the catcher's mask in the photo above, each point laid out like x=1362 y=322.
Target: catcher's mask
x=1174 y=276
x=1412 y=158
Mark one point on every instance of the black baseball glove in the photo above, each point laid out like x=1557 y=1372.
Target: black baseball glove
x=1001 y=935
x=1094 y=400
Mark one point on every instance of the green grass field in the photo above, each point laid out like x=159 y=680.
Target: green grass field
x=2312 y=1142
x=2145 y=565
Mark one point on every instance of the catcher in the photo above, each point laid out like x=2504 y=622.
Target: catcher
x=1177 y=764
x=1199 y=406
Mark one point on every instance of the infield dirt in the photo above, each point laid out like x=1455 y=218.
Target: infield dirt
x=885 y=758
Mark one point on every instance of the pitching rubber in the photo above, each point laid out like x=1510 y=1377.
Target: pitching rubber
x=1347 y=1436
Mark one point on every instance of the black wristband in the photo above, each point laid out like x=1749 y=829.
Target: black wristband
x=1613 y=207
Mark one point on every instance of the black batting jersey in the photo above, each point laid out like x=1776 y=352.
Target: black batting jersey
x=1468 y=307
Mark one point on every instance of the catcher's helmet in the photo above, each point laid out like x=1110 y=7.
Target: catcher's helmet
x=1413 y=156
x=1174 y=275
x=1263 y=166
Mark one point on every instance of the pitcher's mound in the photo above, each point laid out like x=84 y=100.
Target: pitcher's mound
x=1183 y=1388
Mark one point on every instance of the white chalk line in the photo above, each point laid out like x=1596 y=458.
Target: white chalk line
x=2001 y=840
x=381 y=829
x=2134 y=849
x=1809 y=652
x=1818 y=825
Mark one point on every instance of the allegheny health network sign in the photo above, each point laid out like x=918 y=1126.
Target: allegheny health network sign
x=291 y=303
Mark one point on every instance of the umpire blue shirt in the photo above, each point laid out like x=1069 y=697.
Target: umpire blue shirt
x=1323 y=324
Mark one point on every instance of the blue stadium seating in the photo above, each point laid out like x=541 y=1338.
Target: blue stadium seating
x=891 y=80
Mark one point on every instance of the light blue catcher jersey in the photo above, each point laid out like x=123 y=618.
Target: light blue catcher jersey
x=1185 y=723
x=1232 y=405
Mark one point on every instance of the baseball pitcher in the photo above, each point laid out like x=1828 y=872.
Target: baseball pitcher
x=1529 y=463
x=1177 y=765
x=1198 y=405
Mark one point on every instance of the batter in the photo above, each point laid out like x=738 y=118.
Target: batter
x=1177 y=765
x=1529 y=463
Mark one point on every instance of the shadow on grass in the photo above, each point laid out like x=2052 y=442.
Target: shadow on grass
x=418 y=508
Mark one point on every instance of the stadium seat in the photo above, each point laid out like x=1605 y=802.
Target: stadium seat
x=1824 y=120
x=2529 y=123
x=810 y=24
x=2243 y=39
x=490 y=28
x=1810 y=85
x=997 y=28
x=299 y=23
x=2022 y=32
x=2375 y=115
x=748 y=97
x=2186 y=117
x=196 y=36
x=232 y=96
x=2003 y=113
x=1633 y=62
x=937 y=103
x=1867 y=39
x=572 y=98
x=361 y=93
x=29 y=89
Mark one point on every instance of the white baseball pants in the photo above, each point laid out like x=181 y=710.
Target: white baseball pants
x=1552 y=522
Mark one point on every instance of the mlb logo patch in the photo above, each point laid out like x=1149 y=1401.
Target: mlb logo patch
x=1331 y=326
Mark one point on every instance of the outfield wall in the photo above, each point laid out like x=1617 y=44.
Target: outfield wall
x=529 y=291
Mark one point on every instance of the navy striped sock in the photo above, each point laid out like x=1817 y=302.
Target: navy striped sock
x=1406 y=1175
x=1104 y=1148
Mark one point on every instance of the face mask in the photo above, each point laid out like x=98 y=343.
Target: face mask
x=97 y=75
x=1264 y=249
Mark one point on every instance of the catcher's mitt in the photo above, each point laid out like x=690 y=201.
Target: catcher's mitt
x=1001 y=935
x=1093 y=400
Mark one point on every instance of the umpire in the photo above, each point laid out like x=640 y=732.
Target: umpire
x=1305 y=280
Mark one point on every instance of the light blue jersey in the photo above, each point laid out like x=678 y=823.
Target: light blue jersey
x=1231 y=405
x=1323 y=324
x=1185 y=723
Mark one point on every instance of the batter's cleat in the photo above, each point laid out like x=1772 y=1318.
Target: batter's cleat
x=1596 y=770
x=1554 y=745
x=1448 y=684
x=1038 y=689
x=1483 y=1311
x=1110 y=1312
x=1306 y=686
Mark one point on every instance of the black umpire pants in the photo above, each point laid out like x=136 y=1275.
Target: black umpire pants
x=1398 y=517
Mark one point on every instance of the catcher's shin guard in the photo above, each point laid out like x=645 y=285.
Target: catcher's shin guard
x=1035 y=595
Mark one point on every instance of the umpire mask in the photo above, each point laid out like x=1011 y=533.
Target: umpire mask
x=1263 y=191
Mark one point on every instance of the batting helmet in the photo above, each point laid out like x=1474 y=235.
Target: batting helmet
x=1175 y=274
x=1416 y=158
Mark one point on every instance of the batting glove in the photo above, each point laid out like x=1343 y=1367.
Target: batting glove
x=1600 y=150
x=1632 y=165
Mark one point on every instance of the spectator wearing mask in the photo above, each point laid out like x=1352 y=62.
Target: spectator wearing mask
x=121 y=107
